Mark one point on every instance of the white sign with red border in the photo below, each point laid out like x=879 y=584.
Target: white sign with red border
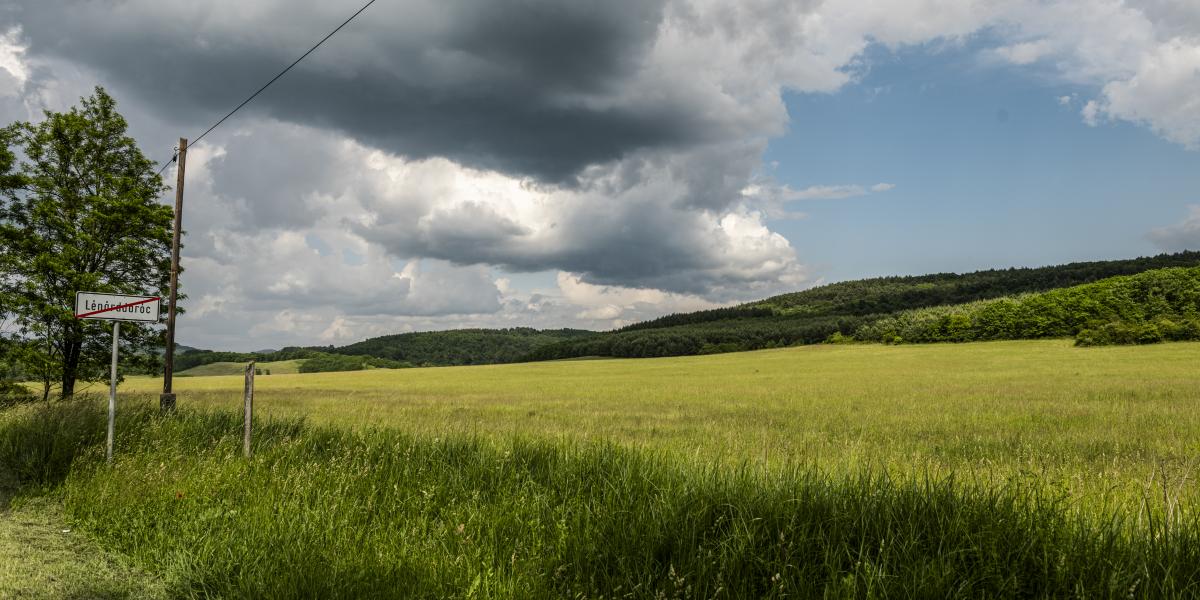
x=116 y=307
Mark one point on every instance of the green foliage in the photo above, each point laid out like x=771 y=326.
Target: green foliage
x=733 y=335
x=462 y=346
x=328 y=363
x=39 y=444
x=194 y=357
x=13 y=393
x=841 y=309
x=314 y=360
x=1162 y=329
x=839 y=338
x=79 y=212
x=892 y=294
x=332 y=513
x=703 y=316
x=1149 y=307
x=832 y=313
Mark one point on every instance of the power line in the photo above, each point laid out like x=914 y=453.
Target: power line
x=268 y=84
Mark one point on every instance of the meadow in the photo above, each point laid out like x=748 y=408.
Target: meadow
x=1029 y=469
x=1096 y=420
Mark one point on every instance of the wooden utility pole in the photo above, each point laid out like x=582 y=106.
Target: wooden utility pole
x=166 y=401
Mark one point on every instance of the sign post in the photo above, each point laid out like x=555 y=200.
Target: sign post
x=115 y=308
x=112 y=392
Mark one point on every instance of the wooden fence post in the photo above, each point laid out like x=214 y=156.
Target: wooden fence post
x=249 y=408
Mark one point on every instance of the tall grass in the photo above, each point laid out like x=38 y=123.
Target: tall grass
x=323 y=512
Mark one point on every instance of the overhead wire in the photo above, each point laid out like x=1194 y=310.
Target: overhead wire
x=267 y=84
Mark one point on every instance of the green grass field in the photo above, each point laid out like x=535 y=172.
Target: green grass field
x=991 y=469
x=1093 y=419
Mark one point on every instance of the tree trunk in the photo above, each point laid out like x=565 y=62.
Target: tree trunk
x=70 y=366
x=46 y=367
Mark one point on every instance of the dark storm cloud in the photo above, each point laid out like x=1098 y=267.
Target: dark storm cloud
x=517 y=85
x=630 y=242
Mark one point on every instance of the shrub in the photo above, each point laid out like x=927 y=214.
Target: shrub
x=38 y=445
x=1138 y=309
x=1123 y=333
x=328 y=363
x=13 y=393
x=838 y=338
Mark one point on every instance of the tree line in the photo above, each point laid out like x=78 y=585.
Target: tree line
x=313 y=360
x=1149 y=307
x=848 y=310
x=462 y=346
x=885 y=295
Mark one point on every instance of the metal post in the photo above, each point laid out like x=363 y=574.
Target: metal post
x=112 y=390
x=249 y=408
x=166 y=401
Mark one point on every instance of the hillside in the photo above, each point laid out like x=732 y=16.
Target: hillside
x=1154 y=306
x=462 y=346
x=280 y=367
x=812 y=316
x=429 y=348
x=201 y=363
x=806 y=317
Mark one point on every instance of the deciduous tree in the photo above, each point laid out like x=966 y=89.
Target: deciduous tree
x=79 y=212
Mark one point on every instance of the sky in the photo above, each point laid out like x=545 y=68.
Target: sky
x=444 y=164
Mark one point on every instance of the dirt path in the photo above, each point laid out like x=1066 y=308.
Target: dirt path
x=41 y=557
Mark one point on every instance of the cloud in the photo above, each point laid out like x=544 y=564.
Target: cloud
x=773 y=198
x=621 y=305
x=433 y=147
x=616 y=228
x=12 y=59
x=1163 y=93
x=1184 y=235
x=377 y=244
x=1024 y=53
x=1143 y=56
x=785 y=193
x=540 y=88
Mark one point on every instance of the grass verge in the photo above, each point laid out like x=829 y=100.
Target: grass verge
x=43 y=557
x=324 y=512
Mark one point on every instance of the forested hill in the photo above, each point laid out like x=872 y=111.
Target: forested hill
x=885 y=295
x=462 y=346
x=806 y=317
x=422 y=349
x=891 y=294
x=813 y=315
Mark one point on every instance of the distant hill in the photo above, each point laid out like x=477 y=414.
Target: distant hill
x=462 y=346
x=429 y=348
x=288 y=360
x=813 y=315
x=1154 y=306
x=281 y=367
